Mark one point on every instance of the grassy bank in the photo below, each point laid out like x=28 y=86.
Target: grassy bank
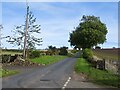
x=4 y=72
x=96 y=75
x=48 y=59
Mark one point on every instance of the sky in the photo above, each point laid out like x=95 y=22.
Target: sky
x=58 y=19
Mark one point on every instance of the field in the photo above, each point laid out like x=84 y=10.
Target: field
x=110 y=54
x=10 y=52
x=96 y=75
x=48 y=59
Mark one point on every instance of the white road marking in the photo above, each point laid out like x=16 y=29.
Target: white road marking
x=66 y=83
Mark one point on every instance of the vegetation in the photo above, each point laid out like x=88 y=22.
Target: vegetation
x=52 y=50
x=24 y=35
x=96 y=75
x=87 y=54
x=4 y=72
x=34 y=54
x=97 y=47
x=90 y=32
x=74 y=51
x=48 y=59
x=63 y=51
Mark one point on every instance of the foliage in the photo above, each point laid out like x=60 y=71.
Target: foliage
x=48 y=52
x=74 y=51
x=34 y=54
x=19 y=33
x=52 y=50
x=97 y=47
x=96 y=75
x=48 y=59
x=70 y=54
x=87 y=54
x=90 y=32
x=63 y=51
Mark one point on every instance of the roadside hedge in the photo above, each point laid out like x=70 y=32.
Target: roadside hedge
x=87 y=54
x=34 y=54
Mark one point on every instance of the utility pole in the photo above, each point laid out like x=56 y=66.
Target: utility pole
x=26 y=33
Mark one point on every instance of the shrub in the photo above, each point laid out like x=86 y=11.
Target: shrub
x=48 y=53
x=70 y=55
x=74 y=51
x=34 y=54
x=87 y=54
x=6 y=58
x=63 y=51
x=97 y=47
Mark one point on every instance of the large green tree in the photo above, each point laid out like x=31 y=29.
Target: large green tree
x=90 y=32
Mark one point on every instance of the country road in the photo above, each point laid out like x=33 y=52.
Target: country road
x=57 y=75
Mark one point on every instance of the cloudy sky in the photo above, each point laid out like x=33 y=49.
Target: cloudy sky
x=58 y=19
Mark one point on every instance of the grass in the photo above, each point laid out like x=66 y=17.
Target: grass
x=10 y=52
x=48 y=59
x=5 y=72
x=95 y=75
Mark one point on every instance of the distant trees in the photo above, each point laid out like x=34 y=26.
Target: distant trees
x=52 y=50
x=63 y=50
x=97 y=47
x=90 y=32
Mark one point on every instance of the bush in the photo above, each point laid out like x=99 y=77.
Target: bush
x=87 y=54
x=34 y=54
x=70 y=55
x=63 y=51
x=97 y=47
x=48 y=53
x=74 y=51
x=6 y=58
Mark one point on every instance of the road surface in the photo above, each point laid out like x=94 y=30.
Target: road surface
x=57 y=75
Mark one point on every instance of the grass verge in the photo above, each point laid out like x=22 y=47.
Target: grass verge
x=48 y=59
x=5 y=72
x=95 y=75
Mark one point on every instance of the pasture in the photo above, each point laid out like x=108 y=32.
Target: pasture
x=109 y=54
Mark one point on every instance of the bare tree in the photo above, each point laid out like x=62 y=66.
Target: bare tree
x=24 y=35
